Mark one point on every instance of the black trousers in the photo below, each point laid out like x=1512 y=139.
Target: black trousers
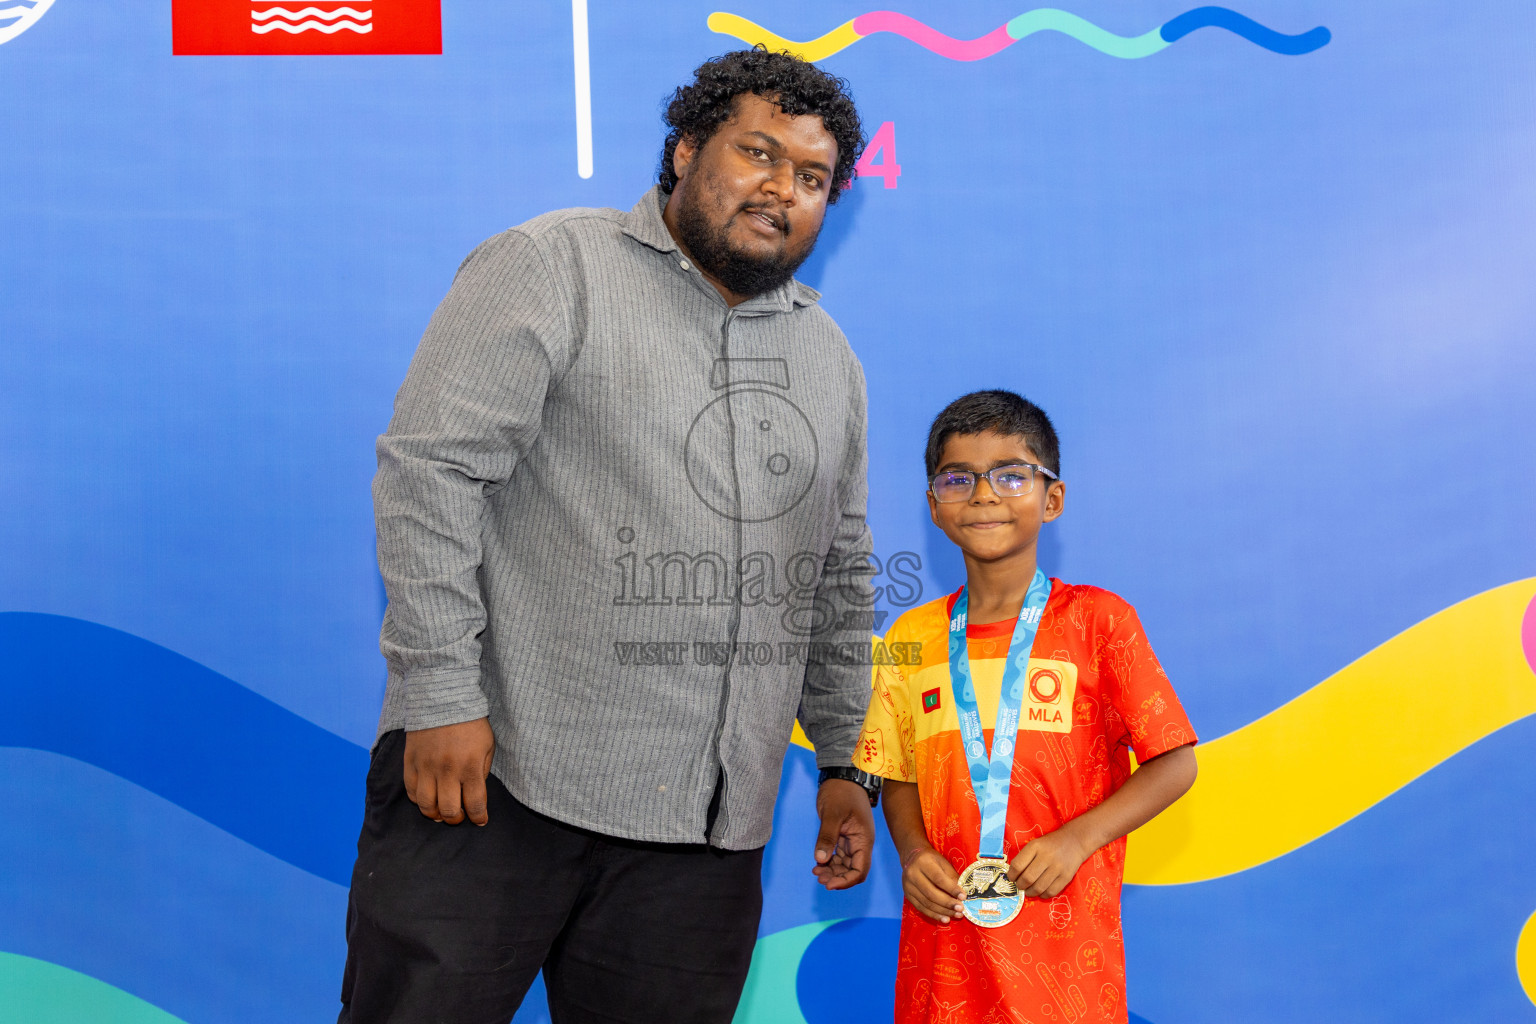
x=452 y=923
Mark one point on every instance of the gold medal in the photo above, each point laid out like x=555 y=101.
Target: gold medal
x=991 y=899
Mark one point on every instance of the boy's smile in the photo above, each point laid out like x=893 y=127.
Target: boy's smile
x=988 y=527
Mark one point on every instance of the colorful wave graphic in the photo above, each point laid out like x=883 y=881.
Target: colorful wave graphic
x=1366 y=731
x=125 y=887
x=108 y=699
x=1349 y=742
x=40 y=992
x=186 y=733
x=1045 y=19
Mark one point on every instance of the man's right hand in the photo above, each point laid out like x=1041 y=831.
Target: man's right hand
x=445 y=770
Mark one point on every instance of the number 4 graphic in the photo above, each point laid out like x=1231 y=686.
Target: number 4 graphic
x=884 y=146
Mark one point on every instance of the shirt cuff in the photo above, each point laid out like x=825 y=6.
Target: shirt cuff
x=443 y=699
x=836 y=747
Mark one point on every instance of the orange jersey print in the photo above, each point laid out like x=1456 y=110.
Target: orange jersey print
x=1094 y=693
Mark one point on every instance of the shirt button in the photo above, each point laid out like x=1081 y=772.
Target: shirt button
x=686 y=265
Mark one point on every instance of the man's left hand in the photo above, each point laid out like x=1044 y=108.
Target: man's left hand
x=847 y=834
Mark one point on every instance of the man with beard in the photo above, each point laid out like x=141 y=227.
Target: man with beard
x=620 y=512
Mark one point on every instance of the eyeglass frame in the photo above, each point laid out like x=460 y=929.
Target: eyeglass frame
x=976 y=478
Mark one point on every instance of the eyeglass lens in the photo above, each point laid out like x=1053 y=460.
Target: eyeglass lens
x=1007 y=481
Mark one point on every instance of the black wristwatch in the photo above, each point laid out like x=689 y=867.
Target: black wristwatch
x=871 y=783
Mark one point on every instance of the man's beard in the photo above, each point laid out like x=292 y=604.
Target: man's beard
x=740 y=272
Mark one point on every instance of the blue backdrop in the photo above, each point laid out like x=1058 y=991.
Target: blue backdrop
x=1278 y=302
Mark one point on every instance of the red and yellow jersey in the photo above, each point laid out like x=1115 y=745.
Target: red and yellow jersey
x=1094 y=693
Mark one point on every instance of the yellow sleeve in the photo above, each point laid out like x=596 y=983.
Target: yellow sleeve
x=886 y=744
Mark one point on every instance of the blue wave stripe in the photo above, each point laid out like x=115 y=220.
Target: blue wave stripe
x=126 y=887
x=185 y=733
x=1259 y=35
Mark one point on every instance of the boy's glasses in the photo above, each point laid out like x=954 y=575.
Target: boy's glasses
x=1013 y=481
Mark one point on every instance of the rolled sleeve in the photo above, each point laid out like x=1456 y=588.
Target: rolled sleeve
x=468 y=412
x=835 y=694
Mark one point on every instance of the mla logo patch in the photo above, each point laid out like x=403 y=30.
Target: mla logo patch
x=316 y=27
x=930 y=700
x=1048 y=695
x=16 y=16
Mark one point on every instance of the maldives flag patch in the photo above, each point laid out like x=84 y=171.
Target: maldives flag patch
x=308 y=27
x=930 y=700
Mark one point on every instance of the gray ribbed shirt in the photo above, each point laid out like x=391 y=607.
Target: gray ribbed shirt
x=626 y=523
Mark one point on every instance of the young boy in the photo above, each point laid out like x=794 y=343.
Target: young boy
x=1012 y=840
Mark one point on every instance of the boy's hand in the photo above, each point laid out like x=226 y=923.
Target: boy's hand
x=1047 y=865
x=445 y=770
x=931 y=885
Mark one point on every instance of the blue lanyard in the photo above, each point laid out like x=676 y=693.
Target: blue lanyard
x=990 y=779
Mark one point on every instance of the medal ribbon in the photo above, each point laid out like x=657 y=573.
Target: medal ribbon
x=992 y=776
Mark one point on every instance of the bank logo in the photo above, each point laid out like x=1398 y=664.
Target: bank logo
x=313 y=28
x=16 y=16
x=1052 y=687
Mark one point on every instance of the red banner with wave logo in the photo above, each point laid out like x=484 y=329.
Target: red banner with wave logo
x=315 y=27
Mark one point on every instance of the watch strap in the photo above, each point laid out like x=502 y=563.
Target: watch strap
x=870 y=783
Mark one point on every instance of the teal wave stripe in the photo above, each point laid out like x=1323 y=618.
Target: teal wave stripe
x=39 y=992
x=769 y=996
x=1049 y=19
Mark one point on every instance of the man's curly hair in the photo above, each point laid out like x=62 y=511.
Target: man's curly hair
x=697 y=110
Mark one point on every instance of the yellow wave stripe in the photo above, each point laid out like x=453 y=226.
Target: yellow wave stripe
x=1525 y=958
x=752 y=33
x=1346 y=744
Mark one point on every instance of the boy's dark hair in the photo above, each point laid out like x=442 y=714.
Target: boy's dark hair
x=697 y=110
x=1000 y=412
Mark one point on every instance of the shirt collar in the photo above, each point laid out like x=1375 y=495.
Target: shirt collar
x=645 y=225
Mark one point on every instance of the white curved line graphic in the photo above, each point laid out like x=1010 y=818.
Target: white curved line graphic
x=583 y=62
x=310 y=26
x=29 y=16
x=332 y=15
